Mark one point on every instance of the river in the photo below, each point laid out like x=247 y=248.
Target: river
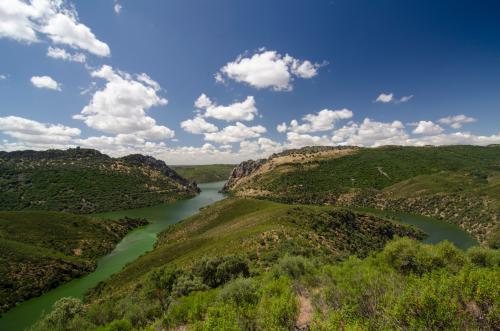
x=142 y=240
x=130 y=248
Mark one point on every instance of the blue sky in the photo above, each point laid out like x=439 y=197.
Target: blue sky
x=124 y=76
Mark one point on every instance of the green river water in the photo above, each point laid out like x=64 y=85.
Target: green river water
x=130 y=248
x=142 y=240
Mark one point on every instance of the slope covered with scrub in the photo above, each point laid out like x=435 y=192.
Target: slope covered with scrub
x=86 y=181
x=459 y=184
x=406 y=286
x=40 y=250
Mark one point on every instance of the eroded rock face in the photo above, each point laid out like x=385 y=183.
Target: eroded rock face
x=244 y=169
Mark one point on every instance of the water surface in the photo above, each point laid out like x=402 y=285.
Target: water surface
x=130 y=248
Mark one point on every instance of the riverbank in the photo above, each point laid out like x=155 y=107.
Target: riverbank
x=131 y=247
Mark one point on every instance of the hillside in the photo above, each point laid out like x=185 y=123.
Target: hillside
x=40 y=250
x=205 y=173
x=86 y=181
x=459 y=184
x=245 y=264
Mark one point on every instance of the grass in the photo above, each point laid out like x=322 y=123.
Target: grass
x=459 y=184
x=262 y=231
x=41 y=249
x=205 y=173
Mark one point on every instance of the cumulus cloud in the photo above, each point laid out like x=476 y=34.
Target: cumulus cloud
x=60 y=53
x=371 y=133
x=297 y=140
x=238 y=111
x=121 y=106
x=235 y=133
x=457 y=121
x=281 y=128
x=324 y=120
x=3 y=77
x=427 y=128
x=389 y=97
x=267 y=69
x=53 y=19
x=29 y=131
x=45 y=82
x=198 y=125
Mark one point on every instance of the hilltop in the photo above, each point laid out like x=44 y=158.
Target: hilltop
x=460 y=184
x=86 y=181
x=40 y=250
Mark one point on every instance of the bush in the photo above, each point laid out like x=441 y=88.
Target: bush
x=240 y=292
x=292 y=266
x=483 y=257
x=278 y=306
x=219 y=270
x=117 y=325
x=67 y=314
x=188 y=309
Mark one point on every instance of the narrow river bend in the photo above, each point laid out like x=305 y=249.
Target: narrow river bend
x=130 y=248
x=142 y=240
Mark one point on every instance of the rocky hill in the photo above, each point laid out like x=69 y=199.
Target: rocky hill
x=460 y=184
x=86 y=181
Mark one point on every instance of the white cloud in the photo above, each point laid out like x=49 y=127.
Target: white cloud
x=26 y=21
x=238 y=111
x=457 y=121
x=322 y=121
x=148 y=81
x=121 y=106
x=405 y=98
x=3 y=77
x=297 y=140
x=45 y=82
x=267 y=69
x=198 y=125
x=29 y=131
x=117 y=8
x=389 y=97
x=203 y=102
x=427 y=128
x=281 y=127
x=371 y=133
x=235 y=133
x=60 y=53
x=455 y=138
x=385 y=98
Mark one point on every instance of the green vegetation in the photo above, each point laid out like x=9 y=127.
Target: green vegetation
x=205 y=173
x=406 y=286
x=86 y=181
x=262 y=232
x=460 y=184
x=40 y=250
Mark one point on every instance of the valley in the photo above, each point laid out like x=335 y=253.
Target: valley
x=307 y=232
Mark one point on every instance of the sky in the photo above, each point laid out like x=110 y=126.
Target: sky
x=199 y=82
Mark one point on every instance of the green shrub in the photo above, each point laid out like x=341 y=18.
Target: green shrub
x=189 y=309
x=67 y=315
x=117 y=325
x=240 y=292
x=278 y=306
x=292 y=266
x=483 y=257
x=221 y=318
x=219 y=270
